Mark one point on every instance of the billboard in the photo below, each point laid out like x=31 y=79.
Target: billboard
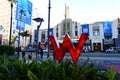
x=35 y=35
x=20 y=25
x=51 y=31
x=24 y=11
x=85 y=29
x=107 y=28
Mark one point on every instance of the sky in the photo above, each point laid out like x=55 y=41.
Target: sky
x=82 y=11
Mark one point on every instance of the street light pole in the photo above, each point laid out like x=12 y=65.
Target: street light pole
x=48 y=27
x=37 y=48
x=11 y=24
x=21 y=12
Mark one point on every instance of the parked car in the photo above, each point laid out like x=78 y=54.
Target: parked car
x=113 y=50
x=45 y=50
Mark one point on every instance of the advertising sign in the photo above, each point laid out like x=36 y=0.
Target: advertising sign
x=85 y=29
x=67 y=45
x=20 y=25
x=35 y=35
x=107 y=28
x=51 y=31
x=24 y=11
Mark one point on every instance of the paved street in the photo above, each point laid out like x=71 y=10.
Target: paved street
x=100 y=60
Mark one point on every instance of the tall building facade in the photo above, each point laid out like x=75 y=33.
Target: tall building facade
x=101 y=35
x=25 y=22
x=5 y=19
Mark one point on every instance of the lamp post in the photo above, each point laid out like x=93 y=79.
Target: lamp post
x=10 y=24
x=21 y=12
x=38 y=26
x=48 y=27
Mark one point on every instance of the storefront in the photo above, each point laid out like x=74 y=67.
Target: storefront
x=87 y=46
x=107 y=43
x=97 y=47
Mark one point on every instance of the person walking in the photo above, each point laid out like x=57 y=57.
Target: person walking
x=41 y=52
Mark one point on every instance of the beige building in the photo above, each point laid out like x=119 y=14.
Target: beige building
x=97 y=40
x=5 y=16
x=5 y=12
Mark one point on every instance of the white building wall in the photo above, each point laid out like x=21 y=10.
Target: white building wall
x=98 y=38
x=73 y=29
x=90 y=32
x=115 y=29
x=79 y=29
x=54 y=31
x=101 y=31
x=101 y=35
x=46 y=34
x=39 y=38
x=91 y=35
x=59 y=30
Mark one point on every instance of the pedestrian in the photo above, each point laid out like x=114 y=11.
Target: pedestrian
x=23 y=54
x=41 y=52
x=30 y=55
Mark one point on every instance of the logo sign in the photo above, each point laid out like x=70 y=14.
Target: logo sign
x=107 y=28
x=51 y=31
x=85 y=29
x=67 y=45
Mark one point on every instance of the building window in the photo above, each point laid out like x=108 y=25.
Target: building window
x=108 y=37
x=118 y=30
x=68 y=26
x=56 y=34
x=13 y=31
x=75 y=27
x=119 y=25
x=96 y=32
x=57 y=28
x=64 y=28
x=76 y=33
x=68 y=33
x=43 y=35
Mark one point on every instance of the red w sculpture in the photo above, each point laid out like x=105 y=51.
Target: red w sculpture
x=67 y=45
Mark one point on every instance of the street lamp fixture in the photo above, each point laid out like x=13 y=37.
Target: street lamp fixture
x=40 y=20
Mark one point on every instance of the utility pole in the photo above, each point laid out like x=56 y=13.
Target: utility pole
x=11 y=24
x=65 y=19
x=48 y=55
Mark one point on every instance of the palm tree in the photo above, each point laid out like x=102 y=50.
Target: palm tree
x=13 y=39
x=25 y=34
x=11 y=4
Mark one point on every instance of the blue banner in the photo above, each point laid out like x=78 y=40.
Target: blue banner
x=35 y=35
x=20 y=25
x=107 y=28
x=51 y=31
x=85 y=29
x=23 y=4
x=24 y=11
